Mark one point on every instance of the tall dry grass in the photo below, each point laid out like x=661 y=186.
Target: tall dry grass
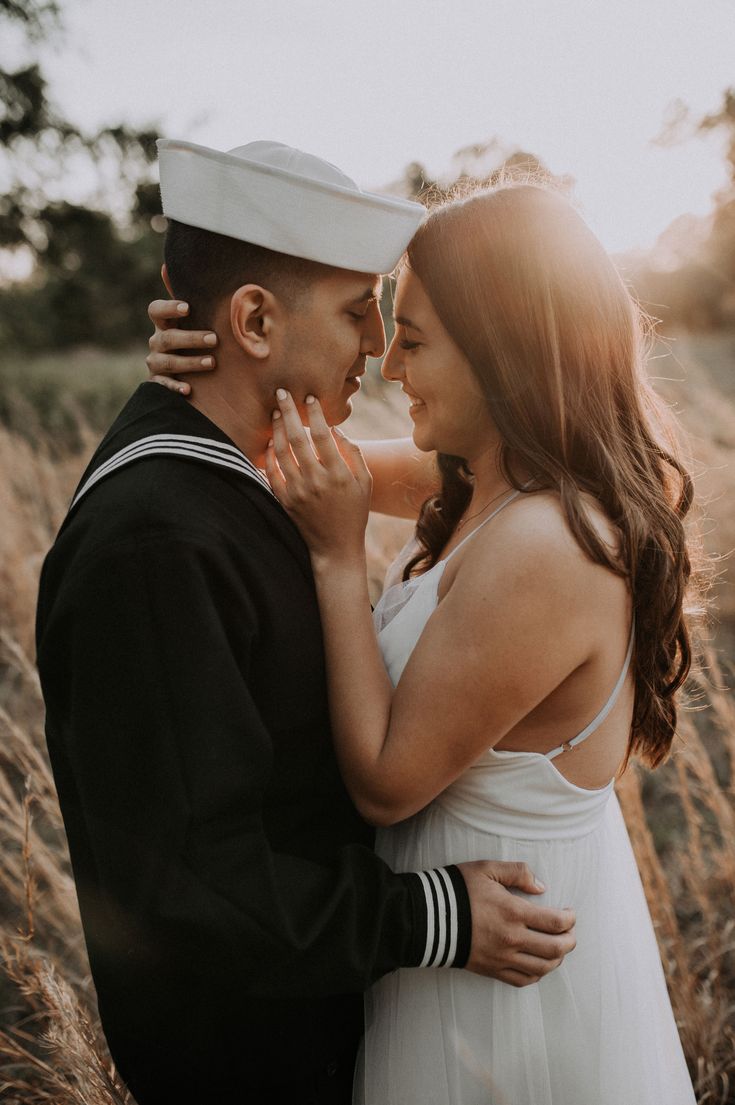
x=681 y=820
x=51 y=1046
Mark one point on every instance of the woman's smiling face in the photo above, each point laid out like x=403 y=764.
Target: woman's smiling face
x=448 y=408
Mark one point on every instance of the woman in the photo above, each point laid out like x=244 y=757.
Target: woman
x=534 y=640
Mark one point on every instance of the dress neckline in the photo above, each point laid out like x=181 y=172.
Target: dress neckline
x=468 y=537
x=437 y=569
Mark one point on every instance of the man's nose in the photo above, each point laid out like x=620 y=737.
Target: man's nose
x=373 y=334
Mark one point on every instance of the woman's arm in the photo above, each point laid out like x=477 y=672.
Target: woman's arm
x=403 y=476
x=482 y=663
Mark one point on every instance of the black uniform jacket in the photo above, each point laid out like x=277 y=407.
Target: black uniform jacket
x=232 y=905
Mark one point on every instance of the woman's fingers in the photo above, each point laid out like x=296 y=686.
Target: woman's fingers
x=295 y=433
x=171 y=364
x=352 y=455
x=313 y=483
x=161 y=310
x=333 y=448
x=274 y=473
x=173 y=385
x=283 y=452
x=165 y=358
x=327 y=448
x=321 y=434
x=167 y=343
x=171 y=340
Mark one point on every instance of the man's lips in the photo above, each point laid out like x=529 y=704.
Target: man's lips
x=353 y=377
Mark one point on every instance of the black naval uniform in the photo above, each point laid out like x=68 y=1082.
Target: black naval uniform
x=233 y=908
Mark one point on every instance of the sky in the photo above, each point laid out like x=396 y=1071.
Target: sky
x=586 y=85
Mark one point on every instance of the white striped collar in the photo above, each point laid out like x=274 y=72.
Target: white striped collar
x=205 y=449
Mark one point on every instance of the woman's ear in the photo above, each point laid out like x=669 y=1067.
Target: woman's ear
x=252 y=317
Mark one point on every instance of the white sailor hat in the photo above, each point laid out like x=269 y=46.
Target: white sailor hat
x=286 y=200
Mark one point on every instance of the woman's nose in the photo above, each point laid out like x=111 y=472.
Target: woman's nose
x=373 y=335
x=391 y=368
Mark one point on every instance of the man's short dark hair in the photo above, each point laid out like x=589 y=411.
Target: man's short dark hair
x=204 y=267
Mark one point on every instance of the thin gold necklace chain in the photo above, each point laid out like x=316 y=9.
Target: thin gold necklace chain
x=464 y=521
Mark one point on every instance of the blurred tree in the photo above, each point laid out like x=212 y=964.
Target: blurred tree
x=720 y=250
x=697 y=291
x=92 y=272
x=35 y=15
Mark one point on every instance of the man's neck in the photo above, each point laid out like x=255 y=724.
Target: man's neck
x=247 y=423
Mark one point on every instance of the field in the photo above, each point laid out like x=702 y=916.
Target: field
x=681 y=818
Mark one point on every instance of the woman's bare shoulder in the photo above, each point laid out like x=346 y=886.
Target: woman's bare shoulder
x=534 y=534
x=527 y=570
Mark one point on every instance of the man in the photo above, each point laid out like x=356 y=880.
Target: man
x=232 y=906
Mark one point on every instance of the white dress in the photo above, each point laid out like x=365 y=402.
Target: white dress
x=599 y=1030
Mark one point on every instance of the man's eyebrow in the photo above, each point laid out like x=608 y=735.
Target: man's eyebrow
x=401 y=320
x=369 y=294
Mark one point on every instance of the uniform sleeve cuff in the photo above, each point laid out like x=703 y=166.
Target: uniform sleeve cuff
x=442 y=918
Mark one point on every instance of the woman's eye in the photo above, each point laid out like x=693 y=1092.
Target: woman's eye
x=409 y=344
x=358 y=318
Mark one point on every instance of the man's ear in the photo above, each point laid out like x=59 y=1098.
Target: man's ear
x=167 y=282
x=253 y=313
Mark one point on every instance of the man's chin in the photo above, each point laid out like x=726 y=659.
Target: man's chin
x=334 y=415
x=338 y=414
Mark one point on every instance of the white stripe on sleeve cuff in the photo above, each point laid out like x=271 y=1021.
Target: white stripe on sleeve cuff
x=442 y=918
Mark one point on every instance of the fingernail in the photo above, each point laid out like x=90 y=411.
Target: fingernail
x=183 y=391
x=281 y=394
x=276 y=414
x=539 y=885
x=207 y=362
x=210 y=339
x=182 y=308
x=270 y=444
x=309 y=398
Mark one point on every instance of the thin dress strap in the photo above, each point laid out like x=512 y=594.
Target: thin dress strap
x=597 y=722
x=483 y=523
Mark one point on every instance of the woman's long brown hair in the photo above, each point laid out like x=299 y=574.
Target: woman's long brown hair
x=559 y=348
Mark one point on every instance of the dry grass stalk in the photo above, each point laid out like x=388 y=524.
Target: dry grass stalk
x=690 y=892
x=77 y=1070
x=30 y=882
